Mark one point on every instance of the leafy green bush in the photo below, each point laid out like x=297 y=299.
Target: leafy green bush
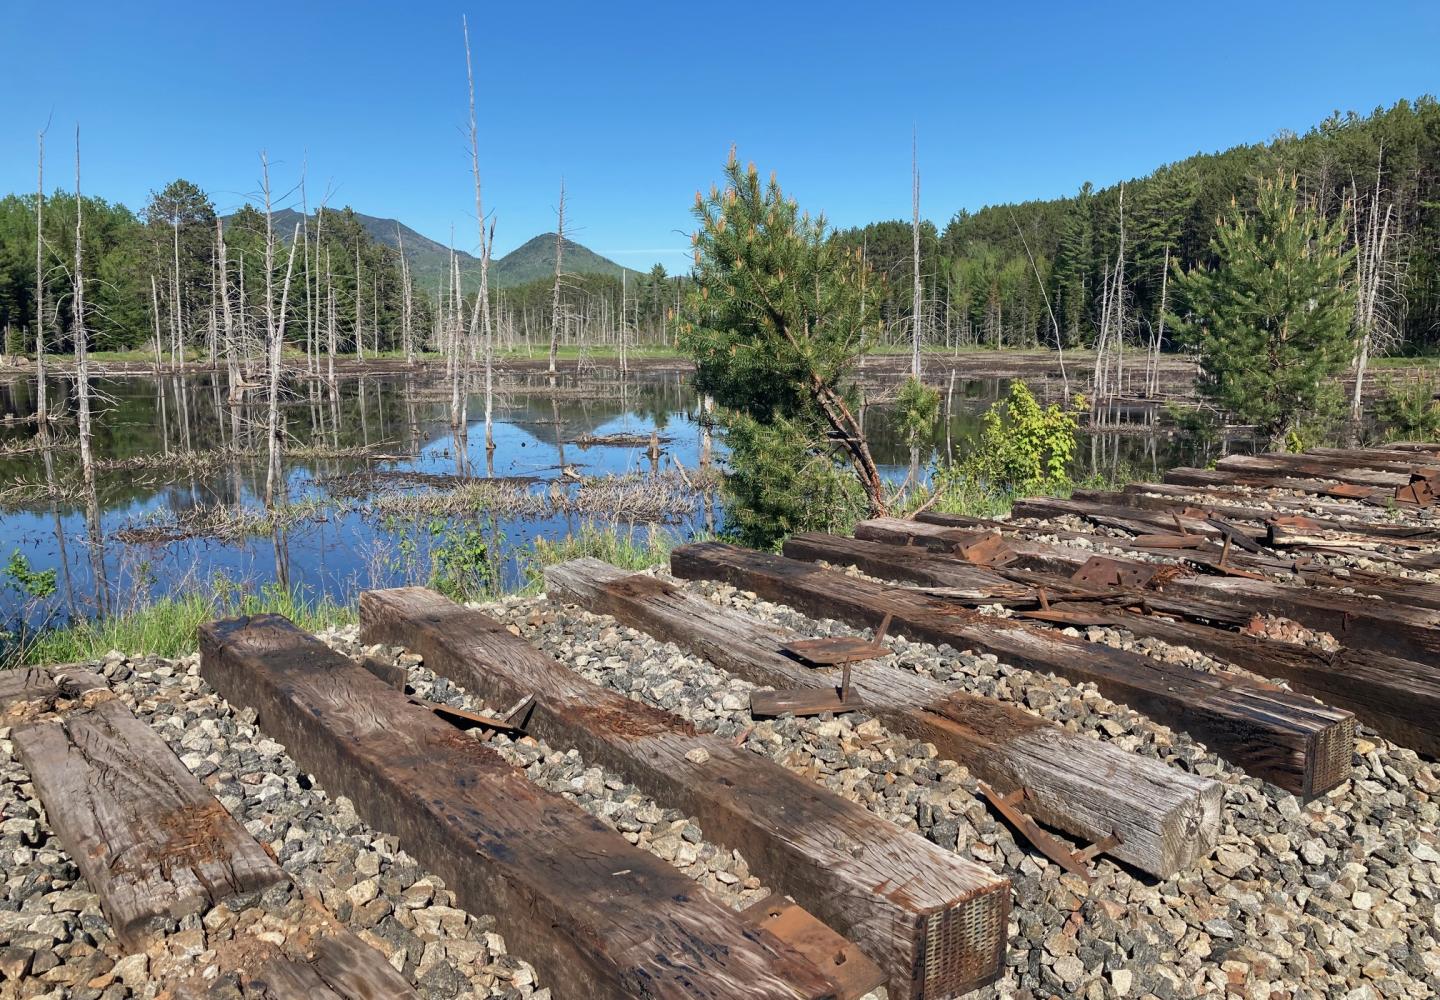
x=1023 y=448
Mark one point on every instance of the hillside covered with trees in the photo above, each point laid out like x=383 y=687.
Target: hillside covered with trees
x=980 y=286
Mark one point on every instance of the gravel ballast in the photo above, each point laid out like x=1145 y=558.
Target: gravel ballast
x=1335 y=899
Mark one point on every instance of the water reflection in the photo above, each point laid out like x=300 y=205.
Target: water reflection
x=182 y=450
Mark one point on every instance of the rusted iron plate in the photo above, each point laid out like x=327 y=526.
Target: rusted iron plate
x=466 y=719
x=837 y=957
x=1168 y=541
x=803 y=701
x=992 y=550
x=1419 y=493
x=1061 y=616
x=1073 y=861
x=1099 y=571
x=829 y=652
x=836 y=650
x=1295 y=521
x=1350 y=491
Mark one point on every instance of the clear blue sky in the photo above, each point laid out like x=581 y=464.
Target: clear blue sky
x=636 y=104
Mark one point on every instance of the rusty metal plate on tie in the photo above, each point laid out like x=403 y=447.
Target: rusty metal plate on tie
x=1062 y=616
x=840 y=649
x=1295 y=521
x=992 y=550
x=1421 y=491
x=803 y=701
x=837 y=957
x=829 y=652
x=1350 y=491
x=1168 y=541
x=1099 y=571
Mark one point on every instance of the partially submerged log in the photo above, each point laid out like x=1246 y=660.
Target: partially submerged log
x=943 y=934
x=1165 y=819
x=152 y=843
x=1291 y=741
x=597 y=916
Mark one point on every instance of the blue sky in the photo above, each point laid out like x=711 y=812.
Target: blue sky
x=636 y=104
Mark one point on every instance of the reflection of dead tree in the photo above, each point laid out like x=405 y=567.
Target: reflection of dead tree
x=1378 y=272
x=82 y=390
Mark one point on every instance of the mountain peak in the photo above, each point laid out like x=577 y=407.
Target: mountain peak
x=430 y=261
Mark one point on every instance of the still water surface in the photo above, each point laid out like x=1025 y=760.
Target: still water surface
x=174 y=447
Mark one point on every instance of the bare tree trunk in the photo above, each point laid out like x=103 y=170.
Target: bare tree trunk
x=155 y=313
x=917 y=299
x=176 y=334
x=275 y=337
x=407 y=302
x=1375 y=275
x=555 y=294
x=359 y=331
x=42 y=405
x=232 y=363
x=82 y=360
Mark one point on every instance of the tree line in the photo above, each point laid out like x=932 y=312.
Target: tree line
x=1016 y=275
x=153 y=284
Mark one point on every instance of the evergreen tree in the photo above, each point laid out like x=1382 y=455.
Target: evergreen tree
x=1074 y=263
x=1271 y=320
x=777 y=321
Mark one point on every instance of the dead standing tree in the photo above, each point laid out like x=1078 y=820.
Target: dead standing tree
x=42 y=407
x=917 y=301
x=1378 y=274
x=559 y=272
x=274 y=336
x=482 y=295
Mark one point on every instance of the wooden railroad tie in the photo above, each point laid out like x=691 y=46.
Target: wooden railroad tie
x=569 y=893
x=1284 y=738
x=1087 y=788
x=835 y=858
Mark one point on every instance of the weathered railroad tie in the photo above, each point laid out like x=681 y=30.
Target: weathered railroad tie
x=1291 y=741
x=1406 y=632
x=933 y=921
x=597 y=916
x=151 y=842
x=154 y=845
x=1398 y=698
x=1165 y=819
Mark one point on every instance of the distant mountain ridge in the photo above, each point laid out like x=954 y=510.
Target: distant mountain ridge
x=430 y=260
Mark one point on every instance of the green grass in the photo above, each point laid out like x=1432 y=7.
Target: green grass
x=167 y=626
x=1403 y=361
x=632 y=551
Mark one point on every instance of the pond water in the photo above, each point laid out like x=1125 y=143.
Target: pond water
x=182 y=481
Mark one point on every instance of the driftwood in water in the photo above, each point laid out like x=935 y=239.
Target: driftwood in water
x=598 y=917
x=839 y=861
x=1165 y=819
x=1288 y=740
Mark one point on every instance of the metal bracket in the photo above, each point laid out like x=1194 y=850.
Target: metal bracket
x=511 y=722
x=1073 y=861
x=1100 y=571
x=838 y=651
x=838 y=957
